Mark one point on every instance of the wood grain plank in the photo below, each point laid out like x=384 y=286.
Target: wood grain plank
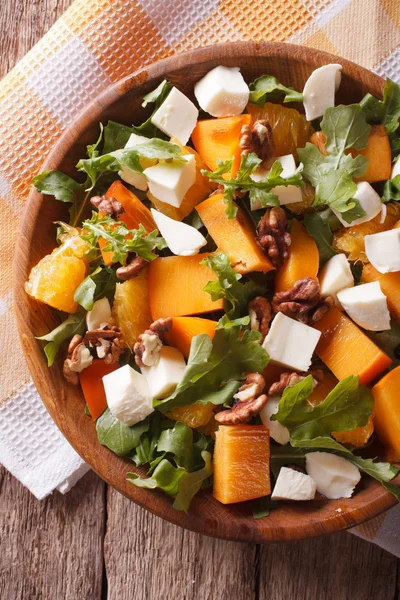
x=338 y=567
x=22 y=24
x=51 y=549
x=147 y=558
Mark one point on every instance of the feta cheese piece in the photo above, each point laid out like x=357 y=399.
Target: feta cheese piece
x=383 y=250
x=293 y=485
x=100 y=315
x=177 y=116
x=182 y=239
x=290 y=343
x=128 y=395
x=130 y=176
x=335 y=476
x=286 y=194
x=395 y=168
x=222 y=92
x=319 y=90
x=278 y=432
x=169 y=181
x=335 y=276
x=369 y=200
x=165 y=375
x=366 y=304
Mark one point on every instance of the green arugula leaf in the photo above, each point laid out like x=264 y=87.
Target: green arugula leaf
x=268 y=87
x=99 y=284
x=382 y=471
x=215 y=368
x=166 y=477
x=116 y=136
x=261 y=507
x=190 y=483
x=386 y=111
x=227 y=286
x=59 y=185
x=92 y=149
x=258 y=190
x=394 y=140
x=391 y=189
x=347 y=406
x=155 y=97
x=332 y=175
x=74 y=324
x=321 y=234
x=178 y=440
x=128 y=157
x=117 y=436
x=121 y=240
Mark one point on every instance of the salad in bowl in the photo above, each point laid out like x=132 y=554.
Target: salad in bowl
x=228 y=288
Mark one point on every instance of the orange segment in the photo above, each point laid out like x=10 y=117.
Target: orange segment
x=290 y=129
x=54 y=281
x=350 y=240
x=131 y=310
x=193 y=415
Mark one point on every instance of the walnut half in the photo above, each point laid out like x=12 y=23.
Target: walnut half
x=303 y=301
x=149 y=343
x=248 y=402
x=78 y=358
x=272 y=235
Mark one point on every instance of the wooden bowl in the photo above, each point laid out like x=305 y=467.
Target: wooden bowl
x=122 y=102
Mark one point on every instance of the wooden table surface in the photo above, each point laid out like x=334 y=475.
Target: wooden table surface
x=95 y=544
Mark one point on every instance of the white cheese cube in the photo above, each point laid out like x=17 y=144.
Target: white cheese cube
x=293 y=485
x=366 y=304
x=319 y=90
x=128 y=395
x=177 y=116
x=222 y=92
x=290 y=343
x=169 y=181
x=278 y=432
x=383 y=250
x=130 y=176
x=100 y=315
x=182 y=239
x=369 y=200
x=335 y=476
x=336 y=275
x=395 y=168
x=286 y=195
x=164 y=376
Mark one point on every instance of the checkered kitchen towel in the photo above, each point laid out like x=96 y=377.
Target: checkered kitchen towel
x=96 y=43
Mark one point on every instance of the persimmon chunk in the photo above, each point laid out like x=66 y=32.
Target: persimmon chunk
x=241 y=463
x=136 y=213
x=303 y=259
x=218 y=139
x=91 y=380
x=176 y=287
x=185 y=328
x=387 y=412
x=346 y=350
x=236 y=237
x=390 y=286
